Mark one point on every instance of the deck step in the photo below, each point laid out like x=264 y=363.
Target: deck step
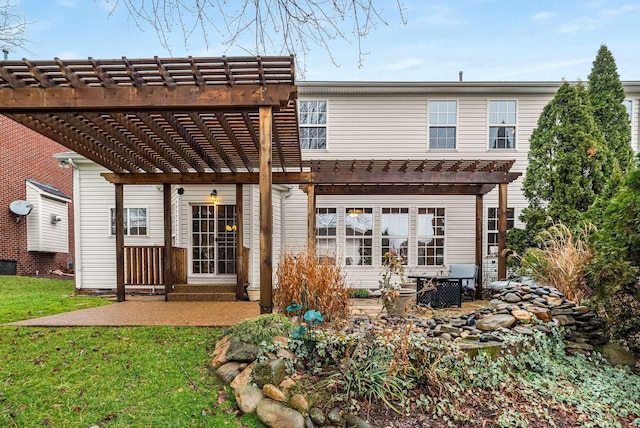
x=201 y=297
x=204 y=288
x=203 y=293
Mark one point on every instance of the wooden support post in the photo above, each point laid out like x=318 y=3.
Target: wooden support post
x=311 y=218
x=502 y=230
x=479 y=245
x=240 y=273
x=266 y=212
x=119 y=242
x=167 y=259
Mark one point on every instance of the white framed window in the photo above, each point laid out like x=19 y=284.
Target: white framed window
x=326 y=232
x=443 y=120
x=394 y=231
x=135 y=221
x=431 y=236
x=492 y=228
x=358 y=249
x=313 y=124
x=502 y=124
x=628 y=105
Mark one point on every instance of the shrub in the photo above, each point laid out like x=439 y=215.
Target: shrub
x=317 y=284
x=261 y=329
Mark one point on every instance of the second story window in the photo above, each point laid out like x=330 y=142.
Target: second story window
x=313 y=125
x=502 y=124
x=443 y=118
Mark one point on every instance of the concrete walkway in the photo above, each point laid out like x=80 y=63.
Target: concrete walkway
x=150 y=311
x=153 y=310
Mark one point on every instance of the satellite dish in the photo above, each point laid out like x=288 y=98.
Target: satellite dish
x=20 y=208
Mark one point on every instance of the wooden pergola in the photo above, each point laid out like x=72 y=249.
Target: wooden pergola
x=213 y=120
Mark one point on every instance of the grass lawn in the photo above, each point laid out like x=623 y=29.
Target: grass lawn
x=27 y=297
x=103 y=376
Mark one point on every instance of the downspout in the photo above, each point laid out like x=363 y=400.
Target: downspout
x=77 y=246
x=283 y=196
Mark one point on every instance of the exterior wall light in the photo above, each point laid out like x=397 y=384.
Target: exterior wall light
x=214 y=196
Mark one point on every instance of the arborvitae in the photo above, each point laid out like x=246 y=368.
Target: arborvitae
x=607 y=96
x=566 y=159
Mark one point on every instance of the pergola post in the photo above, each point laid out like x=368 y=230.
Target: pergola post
x=119 y=242
x=167 y=259
x=311 y=218
x=266 y=212
x=502 y=230
x=240 y=273
x=479 y=245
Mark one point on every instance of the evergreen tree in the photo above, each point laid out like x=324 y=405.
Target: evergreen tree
x=606 y=96
x=566 y=159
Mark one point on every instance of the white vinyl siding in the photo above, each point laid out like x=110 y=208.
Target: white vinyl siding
x=96 y=198
x=43 y=233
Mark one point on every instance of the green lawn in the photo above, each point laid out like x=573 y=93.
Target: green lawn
x=103 y=376
x=24 y=297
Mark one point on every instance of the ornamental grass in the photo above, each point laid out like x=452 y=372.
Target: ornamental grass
x=317 y=283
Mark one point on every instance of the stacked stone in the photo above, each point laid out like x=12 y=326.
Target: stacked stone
x=516 y=308
x=263 y=387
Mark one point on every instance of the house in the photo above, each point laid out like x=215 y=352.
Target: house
x=40 y=239
x=346 y=121
x=175 y=183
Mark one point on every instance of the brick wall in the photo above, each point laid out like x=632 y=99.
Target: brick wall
x=26 y=154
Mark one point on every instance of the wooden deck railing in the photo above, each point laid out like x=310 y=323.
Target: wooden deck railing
x=143 y=265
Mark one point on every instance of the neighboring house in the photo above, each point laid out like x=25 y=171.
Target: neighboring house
x=41 y=241
x=348 y=121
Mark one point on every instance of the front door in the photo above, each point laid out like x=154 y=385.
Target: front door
x=213 y=237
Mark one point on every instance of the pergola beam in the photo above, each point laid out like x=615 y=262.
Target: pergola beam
x=143 y=98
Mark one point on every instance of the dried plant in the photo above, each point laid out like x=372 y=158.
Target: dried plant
x=317 y=284
x=560 y=260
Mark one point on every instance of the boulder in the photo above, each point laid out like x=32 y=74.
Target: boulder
x=241 y=351
x=617 y=355
x=357 y=422
x=276 y=415
x=274 y=392
x=495 y=322
x=248 y=397
x=272 y=371
x=228 y=371
x=317 y=416
x=244 y=376
x=299 y=402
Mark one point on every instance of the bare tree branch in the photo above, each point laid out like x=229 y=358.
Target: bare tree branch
x=261 y=27
x=12 y=27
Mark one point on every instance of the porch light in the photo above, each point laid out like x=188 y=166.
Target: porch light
x=214 y=196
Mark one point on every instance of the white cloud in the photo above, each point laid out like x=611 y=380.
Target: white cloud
x=579 y=25
x=542 y=16
x=67 y=3
x=404 y=64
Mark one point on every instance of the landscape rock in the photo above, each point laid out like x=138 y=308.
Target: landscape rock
x=334 y=416
x=617 y=355
x=299 y=402
x=272 y=371
x=274 y=392
x=241 y=351
x=228 y=371
x=276 y=415
x=248 y=397
x=357 y=422
x=244 y=376
x=317 y=416
x=495 y=322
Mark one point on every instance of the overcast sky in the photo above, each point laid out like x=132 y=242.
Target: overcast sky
x=489 y=40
